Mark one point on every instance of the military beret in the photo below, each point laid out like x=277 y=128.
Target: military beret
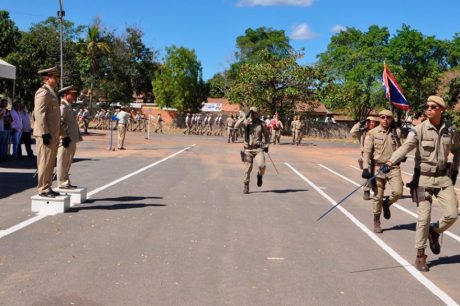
x=437 y=100
x=70 y=88
x=372 y=118
x=386 y=112
x=254 y=109
x=49 y=71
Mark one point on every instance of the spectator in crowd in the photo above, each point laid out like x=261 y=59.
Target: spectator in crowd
x=4 y=128
x=26 y=132
x=16 y=128
x=122 y=118
x=86 y=116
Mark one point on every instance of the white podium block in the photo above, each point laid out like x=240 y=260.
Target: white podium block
x=77 y=195
x=50 y=206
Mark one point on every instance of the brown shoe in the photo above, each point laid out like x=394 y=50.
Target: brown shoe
x=433 y=237
x=377 y=228
x=246 y=189
x=420 y=261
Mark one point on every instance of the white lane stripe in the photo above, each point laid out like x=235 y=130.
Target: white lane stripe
x=21 y=225
x=136 y=172
x=34 y=219
x=450 y=234
x=404 y=263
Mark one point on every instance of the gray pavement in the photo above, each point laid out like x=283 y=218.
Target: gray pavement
x=181 y=232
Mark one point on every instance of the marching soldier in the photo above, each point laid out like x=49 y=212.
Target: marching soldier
x=70 y=135
x=296 y=128
x=46 y=130
x=379 y=144
x=256 y=142
x=231 y=129
x=433 y=140
x=359 y=130
x=188 y=122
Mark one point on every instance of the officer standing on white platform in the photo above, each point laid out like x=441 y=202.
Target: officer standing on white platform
x=70 y=135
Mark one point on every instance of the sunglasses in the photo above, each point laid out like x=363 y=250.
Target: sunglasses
x=386 y=117
x=431 y=106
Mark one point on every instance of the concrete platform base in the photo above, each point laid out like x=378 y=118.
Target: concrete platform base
x=77 y=195
x=50 y=206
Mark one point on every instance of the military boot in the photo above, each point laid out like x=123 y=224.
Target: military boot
x=367 y=195
x=259 y=180
x=420 y=261
x=386 y=208
x=377 y=228
x=246 y=188
x=433 y=237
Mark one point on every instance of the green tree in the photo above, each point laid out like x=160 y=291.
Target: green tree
x=219 y=85
x=274 y=84
x=179 y=83
x=9 y=34
x=353 y=63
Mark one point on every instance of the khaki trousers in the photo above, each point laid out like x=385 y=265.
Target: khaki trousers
x=64 y=161
x=396 y=185
x=121 y=135
x=256 y=155
x=46 y=158
x=448 y=200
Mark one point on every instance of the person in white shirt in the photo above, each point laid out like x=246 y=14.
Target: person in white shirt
x=26 y=132
x=122 y=118
x=16 y=128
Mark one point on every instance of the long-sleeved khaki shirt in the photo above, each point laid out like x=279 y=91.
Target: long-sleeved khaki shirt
x=432 y=150
x=379 y=145
x=256 y=135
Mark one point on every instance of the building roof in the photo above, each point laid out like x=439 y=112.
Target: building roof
x=226 y=105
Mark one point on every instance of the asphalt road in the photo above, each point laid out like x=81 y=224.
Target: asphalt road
x=167 y=224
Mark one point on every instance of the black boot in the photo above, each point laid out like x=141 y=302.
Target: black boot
x=246 y=188
x=420 y=261
x=367 y=195
x=259 y=180
x=433 y=237
x=386 y=208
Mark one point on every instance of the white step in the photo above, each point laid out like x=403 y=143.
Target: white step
x=50 y=206
x=77 y=195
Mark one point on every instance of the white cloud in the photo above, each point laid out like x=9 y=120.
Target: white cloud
x=338 y=28
x=302 y=31
x=305 y=3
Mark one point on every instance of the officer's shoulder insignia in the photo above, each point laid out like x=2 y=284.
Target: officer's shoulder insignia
x=41 y=92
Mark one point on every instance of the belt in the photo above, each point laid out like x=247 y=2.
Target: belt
x=252 y=147
x=434 y=174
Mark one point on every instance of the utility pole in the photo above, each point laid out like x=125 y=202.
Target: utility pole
x=61 y=15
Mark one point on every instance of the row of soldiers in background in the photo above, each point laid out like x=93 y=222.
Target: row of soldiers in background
x=204 y=124
x=433 y=140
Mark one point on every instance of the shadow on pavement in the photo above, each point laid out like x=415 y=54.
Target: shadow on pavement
x=23 y=163
x=280 y=191
x=445 y=260
x=377 y=269
x=121 y=199
x=112 y=207
x=12 y=183
x=399 y=227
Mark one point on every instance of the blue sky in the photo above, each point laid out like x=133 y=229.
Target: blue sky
x=211 y=26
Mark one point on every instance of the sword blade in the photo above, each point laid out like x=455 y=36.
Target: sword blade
x=272 y=163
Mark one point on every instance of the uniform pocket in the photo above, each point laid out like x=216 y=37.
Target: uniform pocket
x=427 y=148
x=446 y=143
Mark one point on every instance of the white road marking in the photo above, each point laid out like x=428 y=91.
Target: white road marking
x=450 y=234
x=404 y=263
x=36 y=218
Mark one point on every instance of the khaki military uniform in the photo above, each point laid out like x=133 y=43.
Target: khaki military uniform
x=256 y=135
x=432 y=149
x=361 y=135
x=230 y=129
x=379 y=145
x=47 y=117
x=296 y=128
x=69 y=128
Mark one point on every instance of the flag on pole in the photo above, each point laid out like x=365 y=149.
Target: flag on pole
x=393 y=91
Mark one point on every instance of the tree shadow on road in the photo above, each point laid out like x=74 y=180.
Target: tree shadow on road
x=12 y=183
x=445 y=260
x=75 y=209
x=380 y=268
x=400 y=227
x=280 y=191
x=122 y=199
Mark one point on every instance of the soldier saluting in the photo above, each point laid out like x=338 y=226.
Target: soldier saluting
x=433 y=140
x=47 y=118
x=256 y=141
x=379 y=144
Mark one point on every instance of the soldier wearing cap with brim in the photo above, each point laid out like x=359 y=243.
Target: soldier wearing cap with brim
x=256 y=141
x=433 y=140
x=379 y=145
x=46 y=129
x=359 y=131
x=69 y=136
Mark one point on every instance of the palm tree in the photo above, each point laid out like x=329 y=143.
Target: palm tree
x=93 y=46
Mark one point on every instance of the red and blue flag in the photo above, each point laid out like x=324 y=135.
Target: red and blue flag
x=393 y=91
